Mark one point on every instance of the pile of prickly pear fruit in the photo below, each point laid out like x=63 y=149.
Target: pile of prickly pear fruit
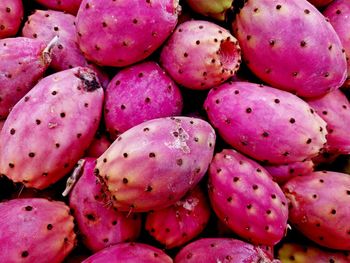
x=174 y=131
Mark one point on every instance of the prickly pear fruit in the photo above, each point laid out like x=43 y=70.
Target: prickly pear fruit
x=177 y=224
x=63 y=112
x=200 y=55
x=282 y=173
x=221 y=250
x=154 y=164
x=128 y=253
x=267 y=124
x=318 y=207
x=304 y=56
x=142 y=28
x=23 y=62
x=69 y=6
x=11 y=15
x=334 y=109
x=295 y=253
x=35 y=230
x=98 y=146
x=216 y=9
x=99 y=224
x=338 y=13
x=139 y=93
x=244 y=196
x=320 y=3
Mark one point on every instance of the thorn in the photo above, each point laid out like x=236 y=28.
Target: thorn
x=74 y=177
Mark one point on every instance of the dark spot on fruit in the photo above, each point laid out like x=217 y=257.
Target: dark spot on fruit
x=28 y=208
x=24 y=254
x=235 y=179
x=114 y=223
x=338 y=12
x=104 y=24
x=292 y=257
x=31 y=154
x=236 y=92
x=303 y=43
x=229 y=199
x=248 y=110
x=167 y=230
x=125 y=180
x=307 y=11
x=12 y=131
x=198 y=42
x=265 y=134
x=292 y=120
x=146 y=129
x=249 y=206
x=11 y=165
x=348 y=192
x=147 y=100
x=318 y=225
x=268 y=212
x=333 y=211
x=105 y=240
x=125 y=155
x=37 y=122
x=272 y=42
x=273 y=196
x=321 y=181
x=285 y=154
x=54 y=92
x=255 y=187
x=189 y=255
x=155 y=254
x=278 y=7
x=277 y=101
x=49 y=226
x=179 y=162
x=57 y=145
x=149 y=189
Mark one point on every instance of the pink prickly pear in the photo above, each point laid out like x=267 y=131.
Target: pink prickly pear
x=320 y=3
x=334 y=109
x=139 y=93
x=282 y=173
x=214 y=250
x=11 y=15
x=304 y=56
x=128 y=253
x=142 y=28
x=23 y=62
x=267 y=124
x=338 y=13
x=295 y=253
x=216 y=9
x=99 y=225
x=63 y=112
x=98 y=146
x=45 y=25
x=172 y=158
x=318 y=207
x=35 y=230
x=200 y=55
x=176 y=225
x=69 y=6
x=244 y=196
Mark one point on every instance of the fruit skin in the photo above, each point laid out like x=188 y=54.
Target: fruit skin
x=213 y=250
x=244 y=196
x=99 y=145
x=154 y=164
x=44 y=25
x=69 y=6
x=176 y=225
x=139 y=93
x=99 y=224
x=35 y=230
x=11 y=16
x=129 y=253
x=63 y=112
x=282 y=173
x=200 y=55
x=23 y=62
x=290 y=46
x=318 y=207
x=216 y=9
x=295 y=253
x=267 y=124
x=338 y=13
x=142 y=28
x=334 y=109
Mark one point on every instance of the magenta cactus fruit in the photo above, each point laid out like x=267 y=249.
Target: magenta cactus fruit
x=139 y=93
x=69 y=6
x=295 y=253
x=244 y=196
x=98 y=146
x=338 y=13
x=177 y=224
x=305 y=56
x=63 y=112
x=142 y=28
x=334 y=109
x=23 y=62
x=282 y=173
x=130 y=252
x=99 y=224
x=34 y=229
x=11 y=15
x=267 y=124
x=221 y=250
x=216 y=9
x=200 y=55
x=320 y=3
x=318 y=207
x=177 y=149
